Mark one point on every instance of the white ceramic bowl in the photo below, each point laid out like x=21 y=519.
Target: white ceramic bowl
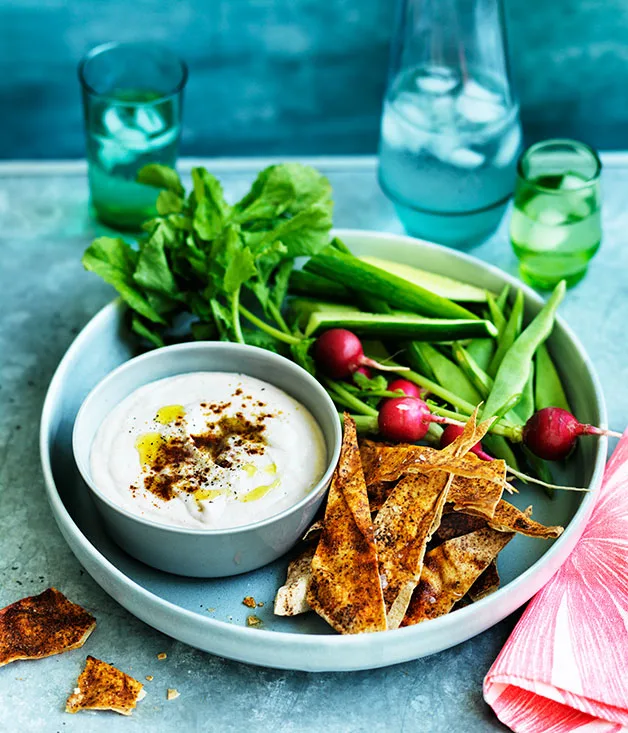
x=206 y=553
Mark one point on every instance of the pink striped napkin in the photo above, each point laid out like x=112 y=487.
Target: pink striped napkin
x=565 y=666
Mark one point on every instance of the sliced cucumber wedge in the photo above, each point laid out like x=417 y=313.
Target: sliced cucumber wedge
x=446 y=287
x=400 y=325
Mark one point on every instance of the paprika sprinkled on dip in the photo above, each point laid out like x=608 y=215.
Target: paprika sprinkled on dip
x=208 y=450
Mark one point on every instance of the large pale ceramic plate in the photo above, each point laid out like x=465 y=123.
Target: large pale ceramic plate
x=209 y=614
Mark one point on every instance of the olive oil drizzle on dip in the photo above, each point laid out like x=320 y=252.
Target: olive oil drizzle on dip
x=183 y=462
x=208 y=449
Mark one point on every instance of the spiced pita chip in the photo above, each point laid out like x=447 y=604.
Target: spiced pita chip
x=403 y=527
x=101 y=686
x=291 y=597
x=486 y=584
x=450 y=570
x=378 y=493
x=42 y=625
x=345 y=588
x=370 y=456
x=479 y=495
x=385 y=463
x=508 y=518
x=455 y=524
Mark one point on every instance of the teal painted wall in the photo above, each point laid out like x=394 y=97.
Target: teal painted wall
x=297 y=76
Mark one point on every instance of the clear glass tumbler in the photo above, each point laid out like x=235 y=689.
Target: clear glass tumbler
x=556 y=225
x=132 y=100
x=450 y=134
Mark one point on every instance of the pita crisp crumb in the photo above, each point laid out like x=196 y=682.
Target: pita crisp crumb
x=161 y=656
x=42 y=625
x=101 y=686
x=249 y=602
x=172 y=694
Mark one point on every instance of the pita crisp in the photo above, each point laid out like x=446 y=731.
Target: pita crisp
x=291 y=598
x=403 y=527
x=450 y=570
x=486 y=584
x=508 y=518
x=101 y=686
x=479 y=495
x=454 y=524
x=345 y=588
x=43 y=625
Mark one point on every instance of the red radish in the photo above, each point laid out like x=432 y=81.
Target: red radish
x=410 y=389
x=405 y=419
x=339 y=354
x=551 y=433
x=451 y=432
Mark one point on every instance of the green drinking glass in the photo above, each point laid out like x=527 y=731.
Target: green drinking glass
x=132 y=100
x=556 y=225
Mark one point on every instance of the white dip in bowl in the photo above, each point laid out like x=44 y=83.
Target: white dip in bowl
x=208 y=450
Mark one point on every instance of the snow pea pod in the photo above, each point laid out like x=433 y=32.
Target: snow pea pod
x=548 y=389
x=502 y=298
x=514 y=369
x=496 y=314
x=415 y=358
x=481 y=351
x=449 y=375
x=508 y=334
x=525 y=408
x=475 y=374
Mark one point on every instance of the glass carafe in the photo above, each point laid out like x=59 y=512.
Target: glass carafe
x=450 y=134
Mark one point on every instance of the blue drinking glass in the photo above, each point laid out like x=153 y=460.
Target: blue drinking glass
x=132 y=100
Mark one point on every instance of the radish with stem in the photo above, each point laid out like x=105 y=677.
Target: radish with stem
x=551 y=433
x=406 y=419
x=339 y=354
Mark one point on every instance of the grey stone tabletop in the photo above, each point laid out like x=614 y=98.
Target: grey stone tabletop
x=46 y=298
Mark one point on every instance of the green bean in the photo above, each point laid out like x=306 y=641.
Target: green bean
x=508 y=334
x=549 y=391
x=481 y=351
x=525 y=407
x=502 y=298
x=514 y=369
x=496 y=315
x=477 y=376
x=449 y=375
x=415 y=358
